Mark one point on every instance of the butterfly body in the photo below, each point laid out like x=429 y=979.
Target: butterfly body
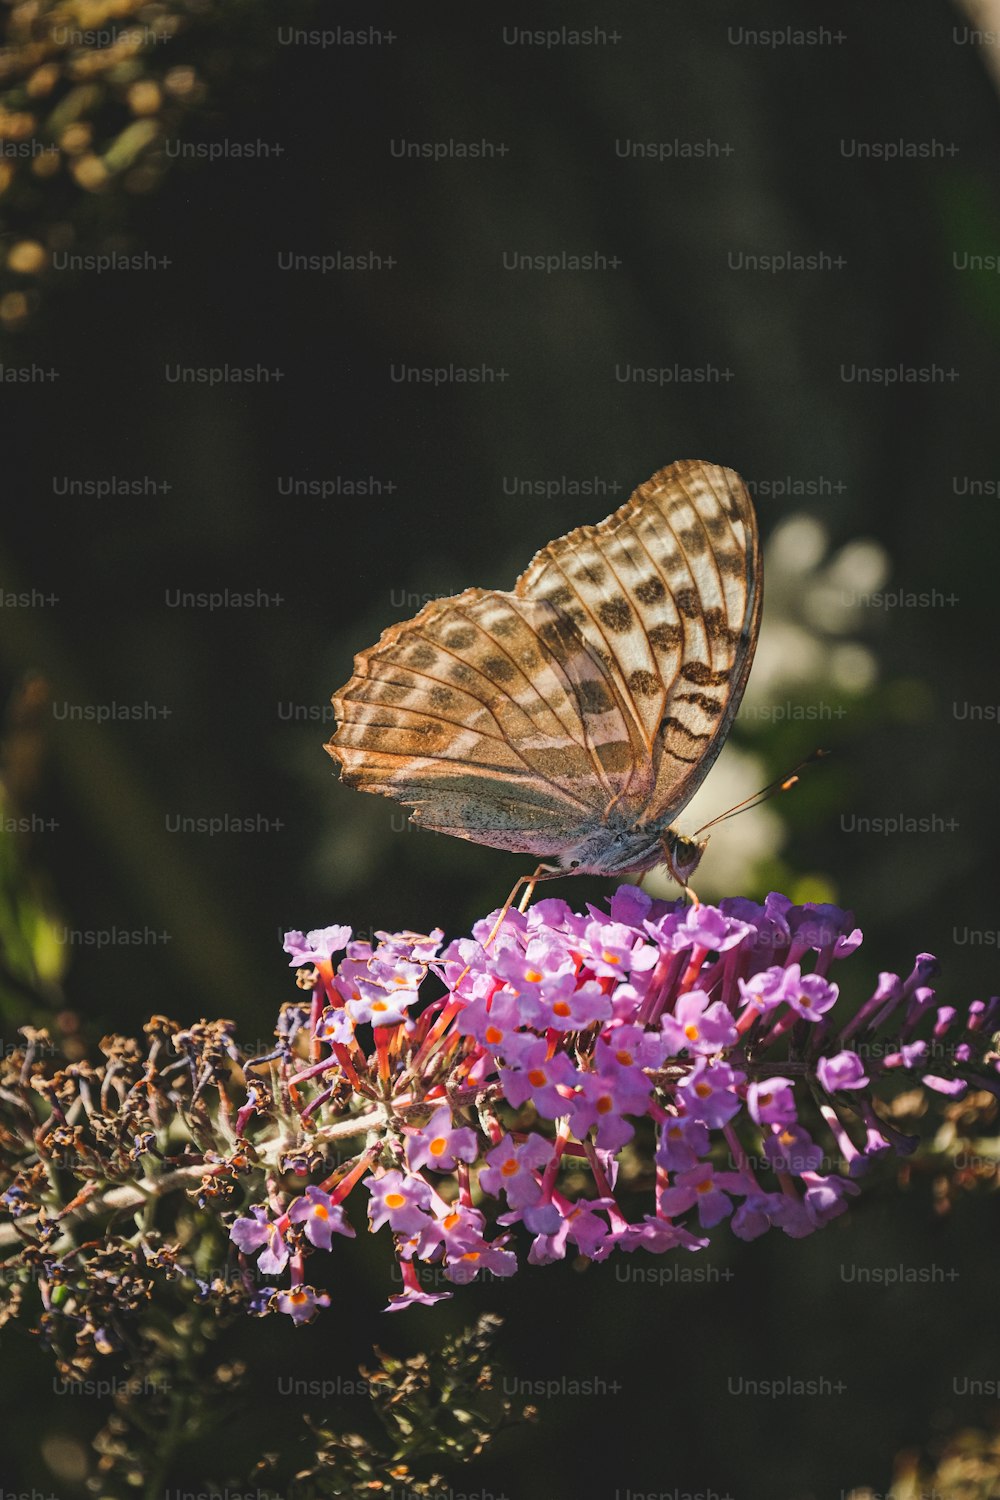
x=573 y=717
x=615 y=847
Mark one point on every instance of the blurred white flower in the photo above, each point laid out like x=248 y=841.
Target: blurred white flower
x=810 y=604
x=805 y=663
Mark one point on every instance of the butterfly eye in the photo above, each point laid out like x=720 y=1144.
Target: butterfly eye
x=574 y=864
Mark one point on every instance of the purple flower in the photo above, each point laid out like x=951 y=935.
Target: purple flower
x=603 y=1099
x=584 y=1226
x=400 y=1201
x=301 y=1303
x=697 y=1186
x=576 y=1009
x=656 y=1235
x=536 y=1076
x=629 y=1046
x=709 y=1093
x=819 y=925
x=456 y=1229
x=408 y=947
x=698 y=1025
x=549 y=1245
x=439 y=1145
x=651 y=1011
x=767 y=989
x=630 y=906
x=381 y=1007
x=953 y=1087
x=682 y=1141
x=844 y=1070
x=809 y=995
x=772 y=1102
x=492 y=1021
x=414 y=1296
x=482 y=1257
x=510 y=933
x=607 y=949
x=708 y=927
x=313 y=947
x=335 y=1026
x=322 y=1217
x=826 y=1197
x=258 y=1234
x=512 y=1168
x=545 y=970
x=555 y=916
x=790 y=1148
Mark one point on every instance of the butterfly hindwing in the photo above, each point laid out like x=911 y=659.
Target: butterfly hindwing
x=492 y=718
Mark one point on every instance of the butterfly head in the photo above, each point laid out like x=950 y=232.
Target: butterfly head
x=682 y=854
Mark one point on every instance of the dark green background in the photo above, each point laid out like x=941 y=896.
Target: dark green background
x=342 y=565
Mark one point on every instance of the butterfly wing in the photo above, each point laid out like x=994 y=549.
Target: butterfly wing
x=667 y=593
x=494 y=720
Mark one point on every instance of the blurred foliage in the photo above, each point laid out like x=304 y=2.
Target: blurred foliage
x=434 y=1409
x=962 y=1466
x=89 y=90
x=31 y=955
x=91 y=94
x=429 y=1416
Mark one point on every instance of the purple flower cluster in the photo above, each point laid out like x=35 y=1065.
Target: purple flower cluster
x=711 y=1041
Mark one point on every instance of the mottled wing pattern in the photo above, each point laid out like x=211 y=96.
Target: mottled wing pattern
x=667 y=594
x=494 y=720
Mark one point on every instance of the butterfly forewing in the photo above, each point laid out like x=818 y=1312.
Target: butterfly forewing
x=590 y=700
x=667 y=591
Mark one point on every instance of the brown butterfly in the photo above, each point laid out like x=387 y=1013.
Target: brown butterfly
x=573 y=718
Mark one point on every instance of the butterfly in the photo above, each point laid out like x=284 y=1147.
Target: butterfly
x=574 y=717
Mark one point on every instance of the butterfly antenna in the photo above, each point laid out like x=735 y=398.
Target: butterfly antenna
x=782 y=784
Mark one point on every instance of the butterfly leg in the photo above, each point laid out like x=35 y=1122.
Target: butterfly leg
x=530 y=881
x=541 y=873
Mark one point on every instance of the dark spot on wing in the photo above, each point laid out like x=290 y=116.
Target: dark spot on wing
x=665 y=637
x=730 y=564
x=615 y=614
x=460 y=639
x=643 y=684
x=650 y=591
x=499 y=668
x=702 y=675
x=672 y=726
x=718 y=629
x=710 y=706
